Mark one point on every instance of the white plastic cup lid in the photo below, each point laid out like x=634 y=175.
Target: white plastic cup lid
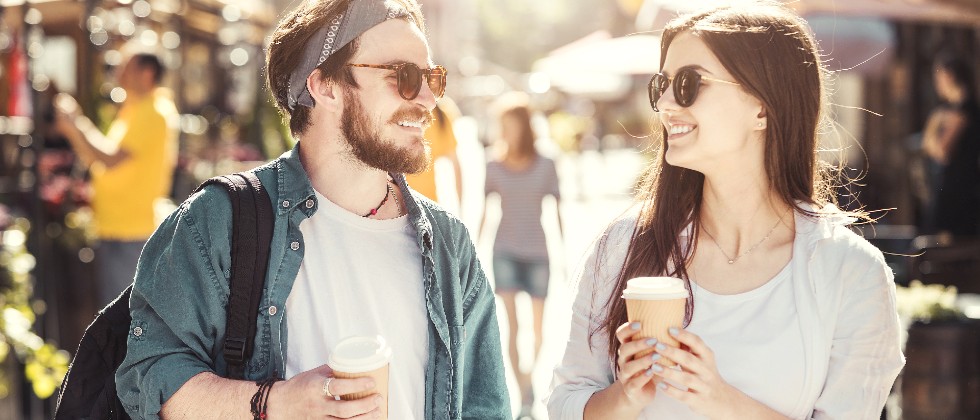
x=360 y=354
x=655 y=288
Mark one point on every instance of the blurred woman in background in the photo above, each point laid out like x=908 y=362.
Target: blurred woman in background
x=521 y=178
x=952 y=140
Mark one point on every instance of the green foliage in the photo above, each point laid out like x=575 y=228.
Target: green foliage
x=924 y=303
x=45 y=364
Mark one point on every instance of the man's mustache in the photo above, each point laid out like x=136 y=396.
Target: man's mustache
x=413 y=114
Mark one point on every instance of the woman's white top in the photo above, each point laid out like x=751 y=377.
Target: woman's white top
x=758 y=334
x=819 y=340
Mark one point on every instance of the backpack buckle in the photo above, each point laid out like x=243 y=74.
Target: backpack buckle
x=234 y=350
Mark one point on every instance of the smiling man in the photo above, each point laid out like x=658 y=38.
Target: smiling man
x=354 y=251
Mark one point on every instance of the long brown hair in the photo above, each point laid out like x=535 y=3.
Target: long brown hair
x=768 y=50
x=516 y=106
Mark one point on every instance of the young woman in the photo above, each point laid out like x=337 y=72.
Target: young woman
x=791 y=314
x=521 y=177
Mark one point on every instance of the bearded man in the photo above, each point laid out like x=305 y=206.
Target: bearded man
x=354 y=250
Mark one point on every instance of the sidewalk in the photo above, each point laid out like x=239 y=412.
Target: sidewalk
x=596 y=189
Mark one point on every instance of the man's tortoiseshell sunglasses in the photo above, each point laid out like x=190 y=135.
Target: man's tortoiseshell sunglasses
x=410 y=78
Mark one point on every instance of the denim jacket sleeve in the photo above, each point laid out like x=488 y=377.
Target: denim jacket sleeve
x=177 y=305
x=485 y=393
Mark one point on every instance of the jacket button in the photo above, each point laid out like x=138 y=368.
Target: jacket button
x=138 y=331
x=294 y=246
x=309 y=204
x=285 y=203
x=272 y=311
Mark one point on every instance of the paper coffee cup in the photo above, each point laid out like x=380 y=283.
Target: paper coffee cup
x=658 y=303
x=359 y=357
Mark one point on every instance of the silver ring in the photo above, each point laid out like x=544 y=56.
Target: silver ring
x=326 y=388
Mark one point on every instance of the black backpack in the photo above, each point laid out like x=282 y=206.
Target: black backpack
x=89 y=388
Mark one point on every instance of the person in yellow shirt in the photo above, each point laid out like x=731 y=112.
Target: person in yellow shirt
x=442 y=140
x=131 y=166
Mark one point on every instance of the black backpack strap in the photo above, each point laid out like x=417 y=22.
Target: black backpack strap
x=252 y=225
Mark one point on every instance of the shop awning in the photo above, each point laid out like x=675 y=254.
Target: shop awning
x=600 y=65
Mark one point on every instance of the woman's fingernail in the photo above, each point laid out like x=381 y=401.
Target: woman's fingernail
x=657 y=368
x=673 y=331
x=635 y=325
x=662 y=385
x=661 y=347
x=655 y=357
x=649 y=372
x=651 y=342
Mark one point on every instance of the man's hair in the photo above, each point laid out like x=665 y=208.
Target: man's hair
x=152 y=62
x=293 y=36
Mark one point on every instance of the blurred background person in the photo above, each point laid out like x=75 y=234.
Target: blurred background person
x=131 y=166
x=952 y=141
x=520 y=178
x=442 y=140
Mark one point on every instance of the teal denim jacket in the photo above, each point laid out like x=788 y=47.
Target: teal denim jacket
x=181 y=289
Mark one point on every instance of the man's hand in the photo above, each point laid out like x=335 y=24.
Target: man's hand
x=66 y=111
x=303 y=396
x=85 y=138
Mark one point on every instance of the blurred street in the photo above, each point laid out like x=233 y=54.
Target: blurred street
x=595 y=190
x=900 y=73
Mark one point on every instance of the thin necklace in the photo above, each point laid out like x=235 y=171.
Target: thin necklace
x=388 y=193
x=752 y=248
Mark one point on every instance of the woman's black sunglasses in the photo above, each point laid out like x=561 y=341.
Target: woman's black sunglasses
x=410 y=78
x=686 y=83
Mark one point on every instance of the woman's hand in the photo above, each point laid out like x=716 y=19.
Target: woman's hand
x=634 y=388
x=634 y=374
x=706 y=392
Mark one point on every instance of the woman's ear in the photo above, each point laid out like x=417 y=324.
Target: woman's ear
x=761 y=120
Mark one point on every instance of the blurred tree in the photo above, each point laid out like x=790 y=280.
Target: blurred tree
x=515 y=33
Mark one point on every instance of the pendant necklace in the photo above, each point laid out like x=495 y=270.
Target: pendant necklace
x=732 y=260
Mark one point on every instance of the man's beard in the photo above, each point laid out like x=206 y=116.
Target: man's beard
x=367 y=146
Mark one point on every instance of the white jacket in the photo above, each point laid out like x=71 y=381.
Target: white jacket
x=845 y=298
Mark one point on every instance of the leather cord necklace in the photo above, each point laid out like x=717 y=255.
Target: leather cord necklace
x=388 y=193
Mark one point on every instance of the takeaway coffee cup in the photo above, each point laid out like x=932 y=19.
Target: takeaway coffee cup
x=658 y=303
x=363 y=356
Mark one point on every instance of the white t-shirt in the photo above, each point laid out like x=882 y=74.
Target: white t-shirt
x=756 y=334
x=361 y=277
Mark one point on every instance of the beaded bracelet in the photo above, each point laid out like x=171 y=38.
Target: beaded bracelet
x=260 y=401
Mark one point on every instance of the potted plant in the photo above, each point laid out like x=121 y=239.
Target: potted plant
x=942 y=349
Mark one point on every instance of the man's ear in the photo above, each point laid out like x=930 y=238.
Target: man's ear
x=323 y=90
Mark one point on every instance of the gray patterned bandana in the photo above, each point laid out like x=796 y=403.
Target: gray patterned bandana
x=360 y=16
